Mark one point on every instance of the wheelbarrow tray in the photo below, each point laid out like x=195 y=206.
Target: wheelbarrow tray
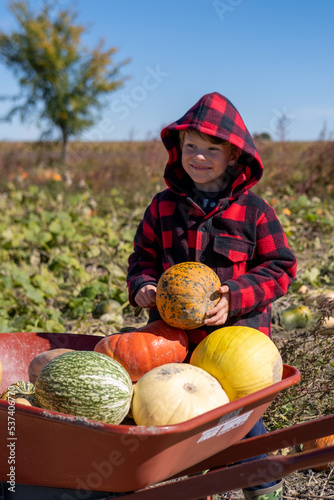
x=56 y=450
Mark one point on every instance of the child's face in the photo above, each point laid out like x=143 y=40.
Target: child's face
x=206 y=162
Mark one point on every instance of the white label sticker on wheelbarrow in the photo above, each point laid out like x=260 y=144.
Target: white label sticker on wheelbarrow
x=225 y=427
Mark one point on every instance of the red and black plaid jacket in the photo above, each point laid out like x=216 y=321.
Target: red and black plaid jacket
x=241 y=239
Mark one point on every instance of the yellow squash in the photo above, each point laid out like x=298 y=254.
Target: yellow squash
x=242 y=359
x=173 y=393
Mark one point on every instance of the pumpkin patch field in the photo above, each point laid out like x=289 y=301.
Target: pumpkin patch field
x=66 y=232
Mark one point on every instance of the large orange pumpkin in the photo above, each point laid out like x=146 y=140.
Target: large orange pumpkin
x=317 y=444
x=146 y=348
x=185 y=292
x=242 y=359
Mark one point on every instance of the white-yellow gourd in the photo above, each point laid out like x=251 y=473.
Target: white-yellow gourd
x=174 y=393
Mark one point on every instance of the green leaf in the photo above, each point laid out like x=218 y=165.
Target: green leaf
x=6 y=282
x=36 y=234
x=113 y=238
x=63 y=226
x=4 y=326
x=34 y=294
x=128 y=235
x=81 y=306
x=312 y=276
x=20 y=277
x=61 y=262
x=54 y=326
x=94 y=289
x=45 y=281
x=19 y=322
x=13 y=238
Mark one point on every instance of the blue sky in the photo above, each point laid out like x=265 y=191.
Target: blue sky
x=267 y=57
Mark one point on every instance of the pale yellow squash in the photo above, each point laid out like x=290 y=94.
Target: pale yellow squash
x=23 y=401
x=174 y=393
x=242 y=359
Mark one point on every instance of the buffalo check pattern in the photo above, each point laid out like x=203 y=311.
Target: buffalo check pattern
x=241 y=239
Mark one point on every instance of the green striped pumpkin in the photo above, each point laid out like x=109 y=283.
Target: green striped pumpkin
x=85 y=384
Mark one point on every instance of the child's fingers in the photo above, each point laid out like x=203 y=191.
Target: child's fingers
x=222 y=305
x=217 y=319
x=213 y=311
x=224 y=289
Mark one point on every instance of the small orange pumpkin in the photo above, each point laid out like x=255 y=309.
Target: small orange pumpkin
x=185 y=292
x=318 y=444
x=148 y=347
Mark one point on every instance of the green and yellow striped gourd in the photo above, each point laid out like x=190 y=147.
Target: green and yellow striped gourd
x=85 y=384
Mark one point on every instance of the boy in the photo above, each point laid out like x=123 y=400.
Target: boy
x=208 y=214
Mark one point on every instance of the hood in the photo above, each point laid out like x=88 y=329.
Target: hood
x=214 y=115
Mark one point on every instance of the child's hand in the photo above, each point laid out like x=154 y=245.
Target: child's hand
x=146 y=296
x=219 y=314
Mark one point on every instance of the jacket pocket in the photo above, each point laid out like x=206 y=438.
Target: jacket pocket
x=234 y=249
x=233 y=256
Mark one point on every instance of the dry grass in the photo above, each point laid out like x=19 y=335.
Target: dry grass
x=302 y=485
x=302 y=167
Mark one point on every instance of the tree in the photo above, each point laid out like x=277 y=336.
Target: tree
x=282 y=125
x=262 y=136
x=60 y=79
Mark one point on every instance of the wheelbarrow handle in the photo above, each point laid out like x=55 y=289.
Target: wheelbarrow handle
x=272 y=441
x=222 y=477
x=225 y=479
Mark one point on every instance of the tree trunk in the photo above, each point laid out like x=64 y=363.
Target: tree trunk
x=64 y=146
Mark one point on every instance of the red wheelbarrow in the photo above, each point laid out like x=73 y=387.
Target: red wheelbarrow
x=50 y=455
